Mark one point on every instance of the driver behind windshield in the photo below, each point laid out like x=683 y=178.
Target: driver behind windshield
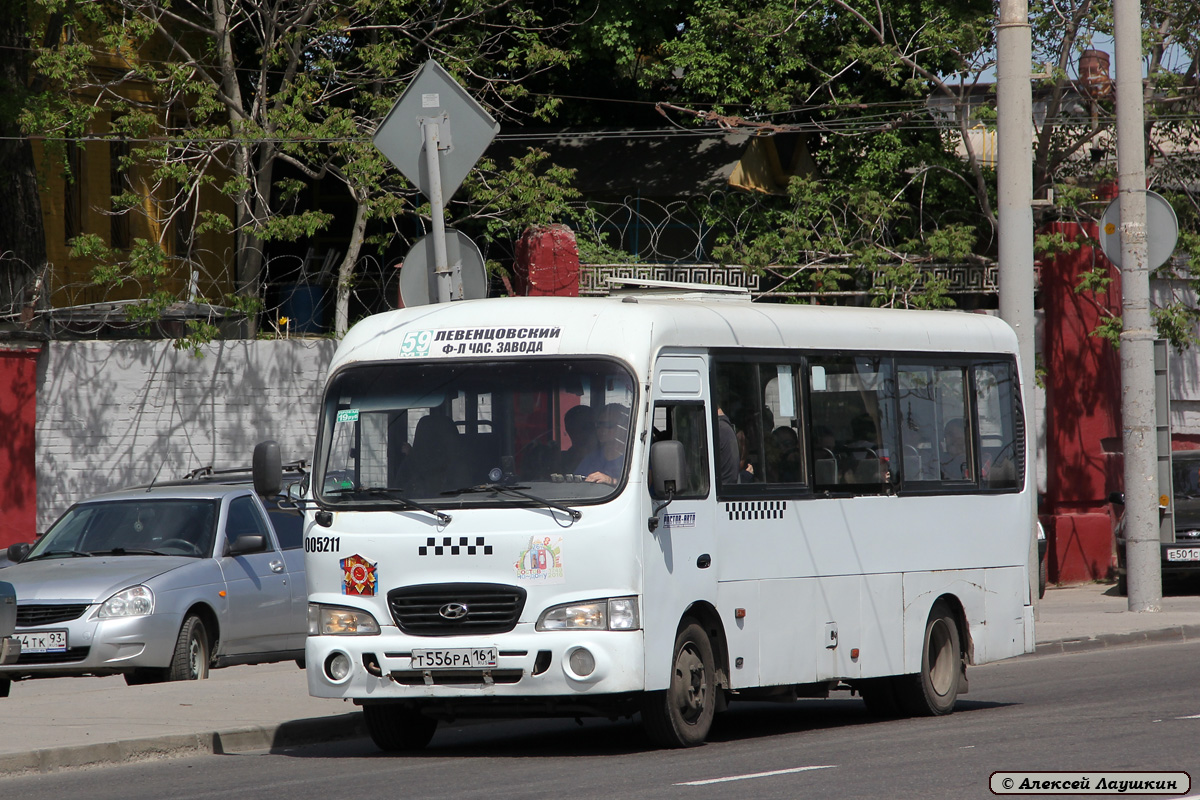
x=604 y=465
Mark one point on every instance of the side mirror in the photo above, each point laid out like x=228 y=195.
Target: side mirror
x=267 y=468
x=667 y=467
x=17 y=552
x=1117 y=498
x=248 y=543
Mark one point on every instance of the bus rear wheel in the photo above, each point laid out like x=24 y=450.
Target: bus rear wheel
x=397 y=729
x=934 y=690
x=683 y=714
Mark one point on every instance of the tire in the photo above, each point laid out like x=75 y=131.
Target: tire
x=934 y=690
x=190 y=662
x=1041 y=580
x=1122 y=584
x=396 y=729
x=683 y=714
x=5 y=686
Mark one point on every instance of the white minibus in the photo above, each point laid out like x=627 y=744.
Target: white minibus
x=659 y=502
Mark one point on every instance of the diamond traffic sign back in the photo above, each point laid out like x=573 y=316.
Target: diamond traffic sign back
x=465 y=129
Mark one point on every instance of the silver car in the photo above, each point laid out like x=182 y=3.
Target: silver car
x=160 y=583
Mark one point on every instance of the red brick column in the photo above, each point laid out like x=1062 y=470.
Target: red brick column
x=1083 y=415
x=18 y=474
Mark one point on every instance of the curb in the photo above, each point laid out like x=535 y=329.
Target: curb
x=257 y=737
x=1108 y=640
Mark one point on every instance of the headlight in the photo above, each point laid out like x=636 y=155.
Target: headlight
x=136 y=601
x=340 y=621
x=613 y=614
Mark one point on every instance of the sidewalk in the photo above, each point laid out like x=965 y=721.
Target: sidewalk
x=62 y=722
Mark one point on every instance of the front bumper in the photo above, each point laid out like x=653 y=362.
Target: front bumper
x=102 y=647
x=532 y=664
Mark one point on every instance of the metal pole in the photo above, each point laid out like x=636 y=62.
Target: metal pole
x=441 y=267
x=1014 y=152
x=1137 y=335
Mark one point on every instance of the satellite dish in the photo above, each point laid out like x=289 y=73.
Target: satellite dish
x=418 y=285
x=1162 y=231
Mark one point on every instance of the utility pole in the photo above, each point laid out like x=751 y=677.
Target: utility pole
x=1014 y=131
x=1137 y=336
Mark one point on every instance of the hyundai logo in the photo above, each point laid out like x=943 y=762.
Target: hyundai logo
x=453 y=611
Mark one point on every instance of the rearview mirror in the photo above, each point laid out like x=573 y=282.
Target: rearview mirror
x=667 y=466
x=248 y=543
x=17 y=552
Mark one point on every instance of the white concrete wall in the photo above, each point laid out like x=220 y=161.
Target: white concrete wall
x=1183 y=369
x=119 y=413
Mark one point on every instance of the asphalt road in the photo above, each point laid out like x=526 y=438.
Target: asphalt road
x=1134 y=708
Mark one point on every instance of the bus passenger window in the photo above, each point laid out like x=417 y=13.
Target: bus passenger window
x=1001 y=438
x=936 y=434
x=758 y=426
x=853 y=423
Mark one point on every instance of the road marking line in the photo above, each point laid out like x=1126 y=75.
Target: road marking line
x=754 y=775
x=1193 y=716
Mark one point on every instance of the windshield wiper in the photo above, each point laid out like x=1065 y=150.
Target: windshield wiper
x=394 y=496
x=52 y=553
x=129 y=551
x=516 y=491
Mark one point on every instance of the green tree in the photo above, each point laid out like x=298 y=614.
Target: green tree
x=242 y=89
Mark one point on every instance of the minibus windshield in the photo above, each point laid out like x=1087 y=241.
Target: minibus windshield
x=458 y=434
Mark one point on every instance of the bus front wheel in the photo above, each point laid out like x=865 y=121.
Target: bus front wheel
x=683 y=714
x=397 y=729
x=934 y=690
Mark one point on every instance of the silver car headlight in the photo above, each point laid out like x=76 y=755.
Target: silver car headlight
x=612 y=614
x=136 y=601
x=326 y=620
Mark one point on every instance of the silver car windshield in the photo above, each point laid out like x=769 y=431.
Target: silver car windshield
x=455 y=434
x=175 y=527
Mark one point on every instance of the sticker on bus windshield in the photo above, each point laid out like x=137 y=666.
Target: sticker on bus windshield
x=541 y=562
x=483 y=341
x=347 y=415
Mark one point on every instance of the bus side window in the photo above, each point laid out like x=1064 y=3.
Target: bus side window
x=686 y=423
x=1001 y=440
x=936 y=431
x=853 y=424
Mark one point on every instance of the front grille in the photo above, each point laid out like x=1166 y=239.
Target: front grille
x=72 y=655
x=490 y=608
x=33 y=616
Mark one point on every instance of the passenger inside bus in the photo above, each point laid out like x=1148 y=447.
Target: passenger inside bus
x=580 y=423
x=862 y=454
x=955 y=466
x=605 y=464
